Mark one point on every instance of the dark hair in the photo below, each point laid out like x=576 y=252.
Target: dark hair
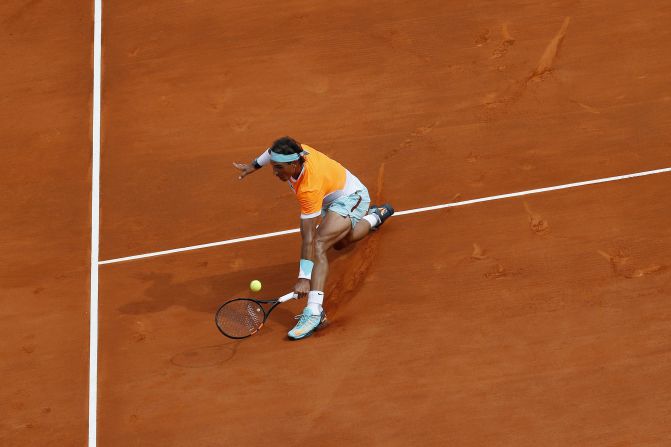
x=286 y=146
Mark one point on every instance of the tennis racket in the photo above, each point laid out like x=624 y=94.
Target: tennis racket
x=243 y=317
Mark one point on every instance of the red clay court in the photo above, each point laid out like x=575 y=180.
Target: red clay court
x=542 y=319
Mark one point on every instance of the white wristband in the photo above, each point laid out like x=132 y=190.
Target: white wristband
x=264 y=158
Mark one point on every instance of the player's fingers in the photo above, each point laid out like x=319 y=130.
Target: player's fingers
x=243 y=168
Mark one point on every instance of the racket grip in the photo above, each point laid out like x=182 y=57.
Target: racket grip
x=287 y=297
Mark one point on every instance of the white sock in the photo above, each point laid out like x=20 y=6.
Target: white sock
x=372 y=219
x=315 y=301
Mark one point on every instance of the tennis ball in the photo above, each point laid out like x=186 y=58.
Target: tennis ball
x=255 y=285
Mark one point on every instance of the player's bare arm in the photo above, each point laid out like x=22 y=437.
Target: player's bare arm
x=308 y=234
x=246 y=168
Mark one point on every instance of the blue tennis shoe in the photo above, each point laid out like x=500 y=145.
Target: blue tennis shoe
x=307 y=324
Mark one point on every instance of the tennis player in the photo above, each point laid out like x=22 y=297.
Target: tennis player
x=326 y=190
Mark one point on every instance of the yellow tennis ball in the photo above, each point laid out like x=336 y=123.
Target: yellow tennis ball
x=255 y=285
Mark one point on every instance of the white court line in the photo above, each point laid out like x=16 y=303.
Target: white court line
x=95 y=226
x=197 y=247
x=533 y=191
x=398 y=213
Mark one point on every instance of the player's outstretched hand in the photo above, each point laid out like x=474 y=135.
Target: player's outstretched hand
x=244 y=168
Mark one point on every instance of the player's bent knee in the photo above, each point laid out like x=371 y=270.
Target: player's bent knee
x=341 y=244
x=321 y=245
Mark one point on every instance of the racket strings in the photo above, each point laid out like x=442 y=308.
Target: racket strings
x=240 y=318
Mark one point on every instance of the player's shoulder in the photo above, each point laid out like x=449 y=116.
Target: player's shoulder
x=312 y=152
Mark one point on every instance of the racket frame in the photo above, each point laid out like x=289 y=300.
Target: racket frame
x=266 y=313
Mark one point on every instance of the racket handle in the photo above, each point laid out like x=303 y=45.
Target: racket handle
x=287 y=297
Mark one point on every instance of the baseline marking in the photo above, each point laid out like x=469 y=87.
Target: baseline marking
x=95 y=226
x=398 y=213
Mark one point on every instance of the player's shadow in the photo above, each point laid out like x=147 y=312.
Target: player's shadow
x=348 y=269
x=207 y=293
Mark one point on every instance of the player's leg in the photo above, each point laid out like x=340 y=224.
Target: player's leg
x=347 y=220
x=364 y=220
x=332 y=228
x=360 y=231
